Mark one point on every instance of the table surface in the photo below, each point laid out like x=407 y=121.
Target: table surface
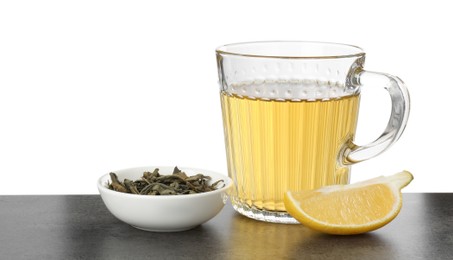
x=80 y=227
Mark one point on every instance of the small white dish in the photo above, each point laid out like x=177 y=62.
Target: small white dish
x=164 y=213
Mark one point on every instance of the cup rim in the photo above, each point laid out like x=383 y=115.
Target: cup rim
x=349 y=50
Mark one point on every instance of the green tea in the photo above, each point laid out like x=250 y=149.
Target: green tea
x=279 y=145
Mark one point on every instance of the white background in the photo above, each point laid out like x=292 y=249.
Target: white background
x=88 y=87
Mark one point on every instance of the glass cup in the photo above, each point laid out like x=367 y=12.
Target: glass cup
x=290 y=114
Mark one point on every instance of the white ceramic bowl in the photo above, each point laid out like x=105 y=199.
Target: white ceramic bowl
x=164 y=213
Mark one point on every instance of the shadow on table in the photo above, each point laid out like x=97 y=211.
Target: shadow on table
x=99 y=235
x=418 y=232
x=261 y=240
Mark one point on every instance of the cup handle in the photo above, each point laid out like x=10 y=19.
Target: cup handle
x=398 y=117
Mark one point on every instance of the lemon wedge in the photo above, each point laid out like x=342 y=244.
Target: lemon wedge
x=349 y=209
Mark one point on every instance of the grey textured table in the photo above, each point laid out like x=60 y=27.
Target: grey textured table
x=80 y=227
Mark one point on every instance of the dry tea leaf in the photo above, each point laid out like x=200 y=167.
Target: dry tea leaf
x=153 y=183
